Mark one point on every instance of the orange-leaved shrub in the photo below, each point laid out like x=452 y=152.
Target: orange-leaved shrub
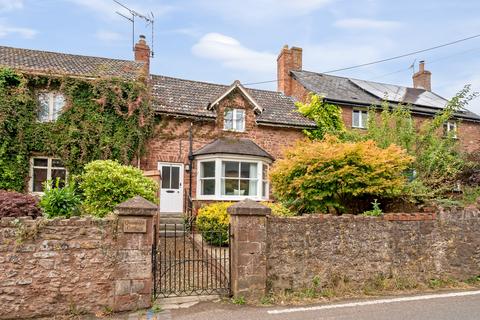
x=321 y=176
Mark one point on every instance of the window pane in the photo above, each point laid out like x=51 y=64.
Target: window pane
x=264 y=189
x=57 y=163
x=356 y=119
x=208 y=187
x=240 y=121
x=248 y=170
x=60 y=174
x=230 y=169
x=230 y=187
x=207 y=169
x=175 y=182
x=39 y=177
x=248 y=188
x=228 y=119
x=43 y=106
x=364 y=119
x=165 y=177
x=58 y=105
x=40 y=162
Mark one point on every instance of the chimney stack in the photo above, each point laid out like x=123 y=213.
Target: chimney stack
x=288 y=60
x=423 y=78
x=142 y=52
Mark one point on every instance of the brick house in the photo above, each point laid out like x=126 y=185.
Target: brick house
x=354 y=96
x=214 y=142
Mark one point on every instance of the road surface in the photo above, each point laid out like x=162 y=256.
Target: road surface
x=438 y=306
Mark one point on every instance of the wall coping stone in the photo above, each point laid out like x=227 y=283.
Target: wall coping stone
x=138 y=206
x=248 y=207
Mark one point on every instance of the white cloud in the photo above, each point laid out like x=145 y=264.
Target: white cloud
x=259 y=11
x=9 y=5
x=358 y=23
x=6 y=30
x=108 y=36
x=232 y=54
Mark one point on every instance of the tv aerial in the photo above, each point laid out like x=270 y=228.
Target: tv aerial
x=149 y=21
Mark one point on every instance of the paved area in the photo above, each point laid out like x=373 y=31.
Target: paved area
x=426 y=307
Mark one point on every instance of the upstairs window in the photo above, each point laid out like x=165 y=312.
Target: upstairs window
x=43 y=169
x=359 y=119
x=450 y=129
x=50 y=106
x=234 y=120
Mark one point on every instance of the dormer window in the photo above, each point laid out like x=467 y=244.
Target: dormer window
x=50 y=106
x=234 y=120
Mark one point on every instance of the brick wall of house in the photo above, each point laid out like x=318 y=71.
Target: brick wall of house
x=171 y=141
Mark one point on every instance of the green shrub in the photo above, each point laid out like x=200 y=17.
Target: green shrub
x=376 y=211
x=59 y=202
x=319 y=176
x=328 y=117
x=279 y=209
x=106 y=183
x=213 y=221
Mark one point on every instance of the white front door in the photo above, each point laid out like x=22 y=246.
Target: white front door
x=171 y=192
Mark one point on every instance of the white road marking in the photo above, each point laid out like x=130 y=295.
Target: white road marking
x=373 y=302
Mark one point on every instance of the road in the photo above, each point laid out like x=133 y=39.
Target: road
x=440 y=306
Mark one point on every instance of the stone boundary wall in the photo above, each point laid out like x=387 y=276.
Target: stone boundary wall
x=58 y=266
x=419 y=246
x=77 y=265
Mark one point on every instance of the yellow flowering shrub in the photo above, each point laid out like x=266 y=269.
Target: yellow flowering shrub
x=317 y=176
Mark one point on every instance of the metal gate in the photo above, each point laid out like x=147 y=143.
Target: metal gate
x=187 y=262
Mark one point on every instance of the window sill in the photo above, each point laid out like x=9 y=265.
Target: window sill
x=234 y=131
x=228 y=198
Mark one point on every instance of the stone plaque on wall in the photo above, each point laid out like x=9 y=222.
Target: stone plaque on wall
x=135 y=225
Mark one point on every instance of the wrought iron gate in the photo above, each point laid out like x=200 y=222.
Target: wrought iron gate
x=187 y=262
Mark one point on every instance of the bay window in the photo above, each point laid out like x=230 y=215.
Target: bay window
x=232 y=178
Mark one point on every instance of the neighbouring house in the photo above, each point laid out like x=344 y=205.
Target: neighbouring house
x=213 y=142
x=354 y=96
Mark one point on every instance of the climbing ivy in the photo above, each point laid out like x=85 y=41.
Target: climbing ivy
x=104 y=118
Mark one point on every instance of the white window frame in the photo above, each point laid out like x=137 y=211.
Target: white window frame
x=52 y=116
x=49 y=171
x=234 y=119
x=451 y=126
x=362 y=113
x=218 y=176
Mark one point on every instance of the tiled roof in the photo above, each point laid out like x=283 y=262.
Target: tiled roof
x=361 y=92
x=67 y=64
x=233 y=146
x=191 y=98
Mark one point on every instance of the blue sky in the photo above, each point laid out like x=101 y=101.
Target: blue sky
x=220 y=41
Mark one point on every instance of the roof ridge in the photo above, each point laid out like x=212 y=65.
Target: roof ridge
x=220 y=84
x=73 y=54
x=352 y=78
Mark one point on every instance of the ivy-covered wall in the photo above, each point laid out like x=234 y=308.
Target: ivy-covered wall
x=103 y=118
